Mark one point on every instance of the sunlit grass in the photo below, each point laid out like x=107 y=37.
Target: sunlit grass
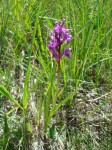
x=32 y=104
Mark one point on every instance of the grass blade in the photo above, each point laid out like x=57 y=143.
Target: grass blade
x=6 y=132
x=53 y=110
x=4 y=92
x=26 y=94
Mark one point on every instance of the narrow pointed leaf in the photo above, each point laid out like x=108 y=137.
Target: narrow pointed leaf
x=6 y=93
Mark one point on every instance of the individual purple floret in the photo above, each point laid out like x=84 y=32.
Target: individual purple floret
x=59 y=36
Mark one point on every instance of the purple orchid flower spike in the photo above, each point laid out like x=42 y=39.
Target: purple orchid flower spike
x=59 y=36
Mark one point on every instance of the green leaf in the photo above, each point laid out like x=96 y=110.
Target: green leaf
x=6 y=133
x=52 y=131
x=53 y=110
x=26 y=93
x=4 y=92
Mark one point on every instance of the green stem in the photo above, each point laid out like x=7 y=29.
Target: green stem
x=58 y=66
x=58 y=72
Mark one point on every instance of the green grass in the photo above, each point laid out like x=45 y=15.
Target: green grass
x=34 y=110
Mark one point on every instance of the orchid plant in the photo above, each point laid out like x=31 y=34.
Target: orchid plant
x=59 y=36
